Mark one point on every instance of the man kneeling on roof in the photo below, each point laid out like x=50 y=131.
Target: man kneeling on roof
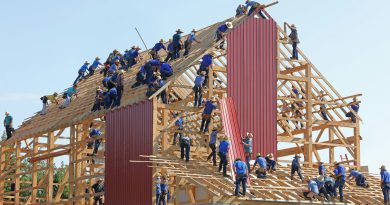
x=271 y=163
x=261 y=172
x=46 y=99
x=312 y=192
x=360 y=179
x=68 y=96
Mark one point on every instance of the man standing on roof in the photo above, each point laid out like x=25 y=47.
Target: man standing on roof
x=82 y=71
x=359 y=178
x=385 y=184
x=212 y=145
x=188 y=43
x=68 y=96
x=8 y=122
x=254 y=5
x=95 y=65
x=198 y=88
x=157 y=47
x=262 y=171
x=321 y=169
x=207 y=112
x=221 y=32
x=166 y=70
x=340 y=180
x=294 y=40
x=224 y=147
x=241 y=172
x=177 y=44
x=185 y=144
x=119 y=87
x=248 y=145
x=170 y=51
x=355 y=105
x=98 y=187
x=45 y=100
x=179 y=123
x=296 y=167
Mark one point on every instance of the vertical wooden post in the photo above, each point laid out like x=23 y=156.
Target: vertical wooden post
x=34 y=174
x=71 y=164
x=50 y=165
x=17 y=172
x=2 y=181
x=356 y=133
x=308 y=148
x=164 y=140
x=331 y=148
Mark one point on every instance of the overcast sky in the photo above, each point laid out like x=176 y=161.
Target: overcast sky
x=43 y=44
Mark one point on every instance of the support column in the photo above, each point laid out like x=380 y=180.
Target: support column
x=35 y=173
x=50 y=166
x=308 y=148
x=331 y=148
x=17 y=172
x=2 y=166
x=71 y=164
x=356 y=133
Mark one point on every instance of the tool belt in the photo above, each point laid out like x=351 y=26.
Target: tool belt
x=206 y=116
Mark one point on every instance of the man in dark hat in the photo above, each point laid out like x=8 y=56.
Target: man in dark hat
x=295 y=41
x=177 y=43
x=296 y=167
x=188 y=43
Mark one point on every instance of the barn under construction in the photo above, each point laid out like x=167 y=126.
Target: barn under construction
x=252 y=78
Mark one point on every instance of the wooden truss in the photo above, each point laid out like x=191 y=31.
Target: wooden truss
x=196 y=181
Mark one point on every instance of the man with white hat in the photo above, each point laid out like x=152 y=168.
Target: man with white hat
x=198 y=88
x=385 y=184
x=294 y=40
x=312 y=189
x=8 y=121
x=82 y=71
x=221 y=32
x=188 y=42
x=320 y=180
x=340 y=176
x=359 y=178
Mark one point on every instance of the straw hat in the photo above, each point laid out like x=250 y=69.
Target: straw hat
x=161 y=41
x=97 y=58
x=203 y=73
x=320 y=178
x=86 y=62
x=293 y=26
x=258 y=155
x=229 y=24
x=383 y=167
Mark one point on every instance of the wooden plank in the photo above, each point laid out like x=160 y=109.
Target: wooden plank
x=294 y=69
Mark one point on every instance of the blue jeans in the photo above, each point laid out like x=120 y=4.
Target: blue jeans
x=240 y=180
x=248 y=159
x=176 y=134
x=360 y=180
x=385 y=190
x=79 y=77
x=160 y=199
x=187 y=151
x=96 y=147
x=295 y=51
x=223 y=162
x=340 y=185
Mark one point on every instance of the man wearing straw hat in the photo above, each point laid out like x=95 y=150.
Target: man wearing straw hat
x=82 y=71
x=157 y=47
x=312 y=189
x=254 y=5
x=221 y=32
x=212 y=145
x=385 y=184
x=95 y=64
x=224 y=147
x=177 y=43
x=359 y=178
x=320 y=180
x=241 y=172
x=294 y=40
x=198 y=88
x=188 y=43
x=340 y=176
x=262 y=171
x=271 y=163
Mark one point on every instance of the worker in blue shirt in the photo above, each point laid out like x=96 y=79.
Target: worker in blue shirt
x=96 y=63
x=68 y=96
x=221 y=33
x=164 y=190
x=247 y=142
x=170 y=51
x=212 y=145
x=166 y=70
x=156 y=48
x=312 y=189
x=207 y=112
x=188 y=42
x=93 y=133
x=179 y=123
x=340 y=180
x=254 y=5
x=206 y=65
x=140 y=78
x=296 y=167
x=198 y=88
x=114 y=67
x=320 y=180
x=355 y=105
x=241 y=172
x=262 y=171
x=112 y=95
x=329 y=184
x=8 y=125
x=224 y=147
x=359 y=178
x=99 y=100
x=177 y=43
x=82 y=71
x=241 y=10
x=185 y=144
x=385 y=184
x=134 y=57
x=158 y=189
x=163 y=94
x=321 y=169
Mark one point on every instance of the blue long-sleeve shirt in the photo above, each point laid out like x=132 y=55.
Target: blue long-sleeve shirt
x=261 y=161
x=199 y=81
x=158 y=46
x=83 y=68
x=95 y=64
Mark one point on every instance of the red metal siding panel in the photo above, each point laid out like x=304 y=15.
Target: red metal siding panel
x=128 y=135
x=252 y=65
x=232 y=129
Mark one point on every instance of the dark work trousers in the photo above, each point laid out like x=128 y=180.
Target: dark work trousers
x=185 y=149
x=176 y=52
x=198 y=95
x=296 y=169
x=9 y=130
x=162 y=199
x=213 y=154
x=176 y=134
x=169 y=57
x=220 y=37
x=164 y=96
x=240 y=180
x=352 y=116
x=247 y=160
x=205 y=124
x=96 y=146
x=96 y=106
x=91 y=71
x=98 y=200
x=271 y=164
x=164 y=76
x=340 y=185
x=385 y=190
x=322 y=190
x=360 y=181
x=295 y=51
x=79 y=77
x=324 y=115
x=223 y=162
x=329 y=188
x=187 y=48
x=158 y=197
x=119 y=97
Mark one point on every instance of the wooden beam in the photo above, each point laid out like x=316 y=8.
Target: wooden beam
x=291 y=78
x=47 y=156
x=294 y=69
x=50 y=170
